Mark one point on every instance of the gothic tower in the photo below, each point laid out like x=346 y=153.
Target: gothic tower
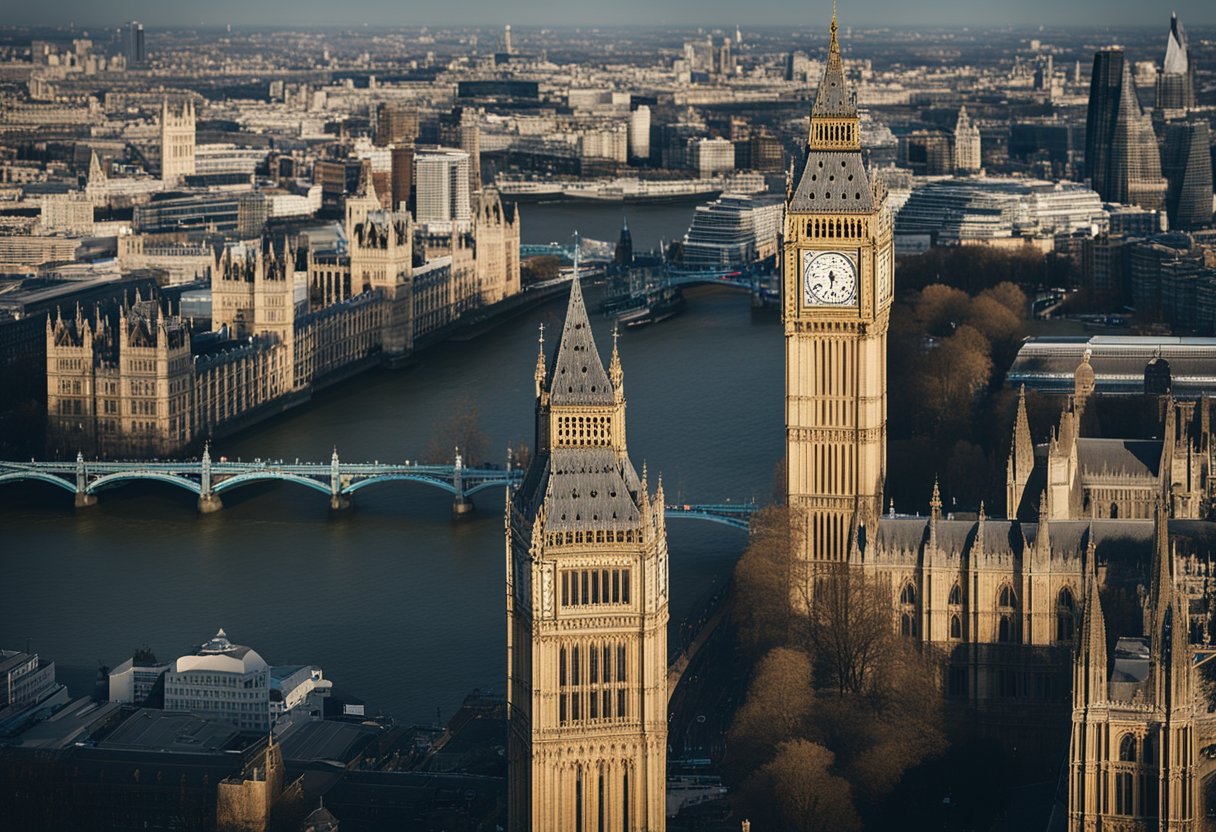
x=176 y=142
x=586 y=609
x=838 y=273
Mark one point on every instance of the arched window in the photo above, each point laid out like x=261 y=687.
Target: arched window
x=1123 y=793
x=1127 y=749
x=956 y=595
x=1066 y=610
x=907 y=625
x=1006 y=628
x=908 y=594
x=1007 y=599
x=956 y=627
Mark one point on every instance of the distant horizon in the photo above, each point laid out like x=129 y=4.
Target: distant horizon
x=527 y=14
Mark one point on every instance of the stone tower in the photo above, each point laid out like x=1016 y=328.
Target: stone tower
x=176 y=141
x=838 y=273
x=586 y=609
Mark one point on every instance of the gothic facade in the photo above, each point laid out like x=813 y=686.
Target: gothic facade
x=176 y=141
x=587 y=609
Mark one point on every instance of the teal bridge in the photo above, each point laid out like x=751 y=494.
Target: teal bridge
x=209 y=479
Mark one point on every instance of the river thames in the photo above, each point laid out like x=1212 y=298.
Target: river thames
x=400 y=605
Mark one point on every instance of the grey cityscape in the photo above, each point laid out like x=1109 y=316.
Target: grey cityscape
x=322 y=507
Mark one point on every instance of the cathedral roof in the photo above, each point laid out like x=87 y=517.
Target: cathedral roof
x=833 y=181
x=577 y=376
x=1137 y=457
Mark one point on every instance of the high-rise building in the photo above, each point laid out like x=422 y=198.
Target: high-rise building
x=1176 y=78
x=133 y=44
x=176 y=141
x=709 y=157
x=927 y=152
x=402 y=175
x=441 y=184
x=462 y=128
x=587 y=609
x=639 y=133
x=396 y=124
x=1186 y=161
x=966 y=144
x=1121 y=154
x=838 y=282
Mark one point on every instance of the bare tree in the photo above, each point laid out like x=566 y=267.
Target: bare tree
x=463 y=431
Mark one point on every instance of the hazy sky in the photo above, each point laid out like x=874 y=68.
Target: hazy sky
x=580 y=12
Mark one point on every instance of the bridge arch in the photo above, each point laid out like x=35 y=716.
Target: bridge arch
x=268 y=476
x=432 y=481
x=469 y=492
x=20 y=476
x=124 y=477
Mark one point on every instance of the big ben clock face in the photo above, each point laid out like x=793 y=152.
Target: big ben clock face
x=829 y=278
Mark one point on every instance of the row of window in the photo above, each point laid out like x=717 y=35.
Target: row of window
x=593 y=682
x=1008 y=626
x=582 y=587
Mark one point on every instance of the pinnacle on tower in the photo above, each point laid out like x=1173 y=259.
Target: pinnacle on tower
x=833 y=98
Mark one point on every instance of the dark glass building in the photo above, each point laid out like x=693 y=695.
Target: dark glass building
x=1122 y=160
x=1186 y=161
x=1176 y=79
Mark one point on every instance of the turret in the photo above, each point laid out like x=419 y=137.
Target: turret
x=1089 y=661
x=1021 y=459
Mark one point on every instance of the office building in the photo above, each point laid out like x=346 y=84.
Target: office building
x=710 y=157
x=1186 y=161
x=396 y=124
x=639 y=134
x=927 y=153
x=441 y=183
x=133 y=680
x=133 y=45
x=1122 y=160
x=1176 y=77
x=733 y=232
x=462 y=128
x=224 y=681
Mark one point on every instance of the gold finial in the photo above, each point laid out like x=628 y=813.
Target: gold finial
x=542 y=337
x=833 y=18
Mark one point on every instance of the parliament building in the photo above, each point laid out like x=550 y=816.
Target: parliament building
x=1012 y=605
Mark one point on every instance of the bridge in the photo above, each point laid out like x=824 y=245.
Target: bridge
x=209 y=479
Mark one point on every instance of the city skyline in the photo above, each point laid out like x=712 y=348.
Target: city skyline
x=862 y=14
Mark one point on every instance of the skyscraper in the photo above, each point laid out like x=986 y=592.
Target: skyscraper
x=133 y=44
x=1176 y=78
x=1121 y=155
x=837 y=286
x=1186 y=161
x=395 y=124
x=441 y=186
x=462 y=128
x=587 y=599
x=639 y=133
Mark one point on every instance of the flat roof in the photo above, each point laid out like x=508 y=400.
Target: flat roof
x=151 y=729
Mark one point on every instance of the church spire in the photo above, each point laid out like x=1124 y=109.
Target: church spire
x=578 y=375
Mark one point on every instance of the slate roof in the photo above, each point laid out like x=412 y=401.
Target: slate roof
x=833 y=181
x=577 y=376
x=833 y=99
x=589 y=488
x=1129 y=456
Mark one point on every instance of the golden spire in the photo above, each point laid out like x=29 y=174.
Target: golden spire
x=615 y=372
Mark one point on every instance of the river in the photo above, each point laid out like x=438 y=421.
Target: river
x=399 y=604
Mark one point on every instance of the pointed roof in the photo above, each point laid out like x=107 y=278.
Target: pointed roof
x=833 y=98
x=578 y=375
x=1176 y=59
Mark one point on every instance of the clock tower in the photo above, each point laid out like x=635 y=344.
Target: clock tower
x=837 y=285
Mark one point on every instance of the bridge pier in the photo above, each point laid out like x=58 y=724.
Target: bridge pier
x=340 y=503
x=209 y=504
x=462 y=507
x=84 y=500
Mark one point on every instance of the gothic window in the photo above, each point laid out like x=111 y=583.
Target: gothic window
x=908 y=594
x=907 y=625
x=1127 y=749
x=1123 y=793
x=956 y=627
x=1066 y=609
x=1007 y=629
x=956 y=595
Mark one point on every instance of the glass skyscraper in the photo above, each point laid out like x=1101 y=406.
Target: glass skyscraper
x=1121 y=154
